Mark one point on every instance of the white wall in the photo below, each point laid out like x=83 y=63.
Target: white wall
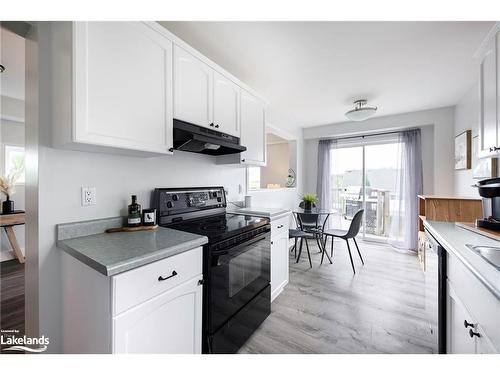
x=467 y=118
x=278 y=162
x=437 y=144
x=61 y=174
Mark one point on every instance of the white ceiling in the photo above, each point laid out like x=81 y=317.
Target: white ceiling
x=12 y=58
x=310 y=72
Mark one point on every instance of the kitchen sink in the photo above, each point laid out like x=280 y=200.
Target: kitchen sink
x=489 y=253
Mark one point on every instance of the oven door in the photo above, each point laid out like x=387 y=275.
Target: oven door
x=237 y=274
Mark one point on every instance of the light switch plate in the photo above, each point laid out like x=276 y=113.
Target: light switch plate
x=88 y=196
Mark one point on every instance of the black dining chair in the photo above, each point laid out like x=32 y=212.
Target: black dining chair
x=309 y=223
x=352 y=232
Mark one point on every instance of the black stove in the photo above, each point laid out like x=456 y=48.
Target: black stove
x=219 y=227
x=236 y=262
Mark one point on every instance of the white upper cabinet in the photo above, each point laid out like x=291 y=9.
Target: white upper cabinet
x=119 y=76
x=193 y=89
x=226 y=105
x=489 y=103
x=253 y=129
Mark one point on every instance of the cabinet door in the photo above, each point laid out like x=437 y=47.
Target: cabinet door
x=226 y=105
x=168 y=323
x=279 y=264
x=122 y=82
x=488 y=100
x=253 y=129
x=193 y=89
x=458 y=338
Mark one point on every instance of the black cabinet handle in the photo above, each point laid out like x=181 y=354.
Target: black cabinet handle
x=217 y=125
x=161 y=278
x=171 y=149
x=272 y=242
x=211 y=124
x=280 y=226
x=200 y=282
x=243 y=160
x=472 y=333
x=467 y=324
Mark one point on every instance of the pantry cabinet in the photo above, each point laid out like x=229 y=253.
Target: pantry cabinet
x=112 y=87
x=489 y=98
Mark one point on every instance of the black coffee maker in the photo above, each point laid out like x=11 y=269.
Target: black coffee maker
x=489 y=190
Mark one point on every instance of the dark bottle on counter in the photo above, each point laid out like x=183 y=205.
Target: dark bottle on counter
x=134 y=213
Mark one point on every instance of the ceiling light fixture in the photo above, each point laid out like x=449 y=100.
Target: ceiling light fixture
x=2 y=68
x=361 y=111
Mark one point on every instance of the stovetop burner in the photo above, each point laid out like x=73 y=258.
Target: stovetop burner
x=220 y=226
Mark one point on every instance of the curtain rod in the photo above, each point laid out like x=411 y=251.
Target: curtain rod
x=368 y=135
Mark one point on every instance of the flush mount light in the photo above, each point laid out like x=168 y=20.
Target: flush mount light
x=2 y=68
x=361 y=111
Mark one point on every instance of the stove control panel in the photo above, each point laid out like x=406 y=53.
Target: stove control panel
x=170 y=202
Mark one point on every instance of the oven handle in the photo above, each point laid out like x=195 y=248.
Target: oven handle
x=234 y=250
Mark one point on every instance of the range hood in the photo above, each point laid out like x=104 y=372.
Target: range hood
x=193 y=138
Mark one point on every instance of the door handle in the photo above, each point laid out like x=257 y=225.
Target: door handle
x=161 y=278
x=472 y=333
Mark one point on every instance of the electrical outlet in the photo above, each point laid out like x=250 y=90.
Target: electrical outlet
x=88 y=196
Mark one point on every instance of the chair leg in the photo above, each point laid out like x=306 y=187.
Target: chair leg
x=318 y=241
x=295 y=248
x=308 y=253
x=331 y=253
x=360 y=257
x=350 y=256
x=322 y=255
x=300 y=250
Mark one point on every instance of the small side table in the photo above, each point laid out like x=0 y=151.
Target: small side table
x=8 y=221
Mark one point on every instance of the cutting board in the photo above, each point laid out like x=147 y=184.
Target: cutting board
x=132 y=229
x=495 y=235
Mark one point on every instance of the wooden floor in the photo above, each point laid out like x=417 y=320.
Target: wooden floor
x=327 y=309
x=12 y=296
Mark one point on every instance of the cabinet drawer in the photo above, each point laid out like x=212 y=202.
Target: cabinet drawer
x=480 y=302
x=143 y=283
x=279 y=226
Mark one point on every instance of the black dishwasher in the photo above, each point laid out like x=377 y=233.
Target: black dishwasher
x=435 y=284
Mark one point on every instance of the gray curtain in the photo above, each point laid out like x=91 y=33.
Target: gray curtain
x=404 y=229
x=323 y=188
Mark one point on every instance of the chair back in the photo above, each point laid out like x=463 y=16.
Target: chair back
x=307 y=220
x=355 y=224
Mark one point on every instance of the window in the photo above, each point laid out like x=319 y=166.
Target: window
x=14 y=162
x=253 y=178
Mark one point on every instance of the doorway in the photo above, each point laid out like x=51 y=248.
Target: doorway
x=13 y=181
x=364 y=176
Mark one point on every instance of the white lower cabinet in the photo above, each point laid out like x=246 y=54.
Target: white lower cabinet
x=472 y=313
x=168 y=323
x=155 y=308
x=459 y=341
x=279 y=255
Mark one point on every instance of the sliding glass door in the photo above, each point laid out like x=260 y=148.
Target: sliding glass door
x=364 y=175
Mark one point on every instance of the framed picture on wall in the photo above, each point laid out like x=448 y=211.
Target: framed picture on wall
x=482 y=168
x=463 y=150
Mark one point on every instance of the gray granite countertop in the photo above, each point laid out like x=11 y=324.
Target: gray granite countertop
x=112 y=253
x=271 y=213
x=454 y=239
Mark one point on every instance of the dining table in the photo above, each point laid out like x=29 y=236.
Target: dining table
x=323 y=215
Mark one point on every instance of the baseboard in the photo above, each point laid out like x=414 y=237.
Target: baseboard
x=278 y=290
